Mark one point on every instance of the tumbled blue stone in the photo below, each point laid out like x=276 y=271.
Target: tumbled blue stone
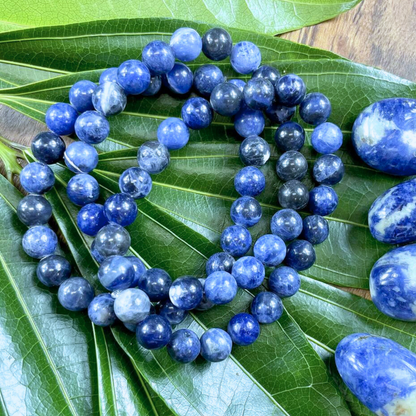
x=220 y=287
x=60 y=118
x=139 y=269
x=39 y=241
x=217 y=44
x=37 y=178
x=109 y=99
x=270 y=250
x=226 y=99
x=287 y=224
x=284 y=281
x=328 y=170
x=135 y=182
x=326 y=138
x=379 y=372
x=153 y=157
x=120 y=209
x=290 y=90
x=267 y=72
x=236 y=240
x=80 y=157
x=219 y=262
x=179 y=79
x=153 y=332
x=101 y=310
x=156 y=284
x=216 y=345
x=91 y=219
x=254 y=151
x=173 y=133
x=315 y=109
x=186 y=292
x=205 y=303
x=239 y=82
x=197 y=113
x=384 y=136
x=171 y=313
x=246 y=211
x=206 y=78
x=53 y=270
x=133 y=76
x=80 y=95
x=109 y=75
x=83 y=189
x=75 y=294
x=243 y=329
x=248 y=272
x=249 y=181
x=300 y=255
x=184 y=346
x=315 y=229
x=267 y=307
x=48 y=147
x=259 y=93
x=322 y=200
x=290 y=136
x=116 y=272
x=132 y=306
x=278 y=113
x=159 y=57
x=112 y=240
x=34 y=210
x=248 y=122
x=186 y=44
x=245 y=57
x=92 y=127
x=154 y=87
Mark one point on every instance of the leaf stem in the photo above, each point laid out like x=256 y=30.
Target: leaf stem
x=9 y=155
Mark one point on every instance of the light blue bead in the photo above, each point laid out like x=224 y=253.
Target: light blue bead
x=186 y=293
x=112 y=240
x=270 y=250
x=101 y=310
x=37 y=178
x=173 y=133
x=98 y=257
x=246 y=211
x=287 y=224
x=267 y=307
x=139 y=269
x=245 y=57
x=92 y=127
x=186 y=44
x=39 y=241
x=60 y=118
x=80 y=95
x=315 y=229
x=109 y=75
x=243 y=329
x=216 y=345
x=323 y=200
x=179 y=79
x=249 y=122
x=109 y=99
x=135 y=182
x=284 y=281
x=132 y=306
x=184 y=346
x=80 y=157
x=219 y=262
x=75 y=294
x=249 y=181
x=154 y=87
x=254 y=151
x=153 y=157
x=206 y=78
x=133 y=76
x=236 y=240
x=197 y=113
x=159 y=57
x=239 y=82
x=116 y=272
x=91 y=219
x=220 y=287
x=248 y=272
x=326 y=138
x=120 y=209
x=83 y=189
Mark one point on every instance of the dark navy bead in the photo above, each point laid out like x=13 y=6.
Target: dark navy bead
x=291 y=165
x=133 y=76
x=287 y=224
x=293 y=194
x=217 y=44
x=245 y=57
x=236 y=240
x=328 y=170
x=101 y=310
x=216 y=345
x=80 y=157
x=92 y=127
x=75 y=294
x=39 y=241
x=173 y=133
x=248 y=122
x=112 y=240
x=259 y=93
x=159 y=57
x=239 y=82
x=132 y=306
x=60 y=118
x=219 y=262
x=205 y=303
x=315 y=109
x=220 y=287
x=184 y=346
x=248 y=272
x=186 y=44
x=153 y=157
x=139 y=269
x=116 y=272
x=290 y=136
x=120 y=209
x=53 y=270
x=267 y=307
x=270 y=250
x=226 y=99
x=300 y=255
x=80 y=95
x=135 y=182
x=249 y=181
x=246 y=211
x=154 y=87
x=109 y=75
x=171 y=313
x=34 y=210
x=315 y=229
x=156 y=284
x=83 y=189
x=48 y=147
x=267 y=72
x=323 y=200
x=284 y=281
x=206 y=78
x=91 y=219
x=179 y=79
x=254 y=151
x=243 y=329
x=279 y=114
x=37 y=178
x=109 y=99
x=153 y=332
x=290 y=90
x=197 y=113
x=186 y=292
x=326 y=138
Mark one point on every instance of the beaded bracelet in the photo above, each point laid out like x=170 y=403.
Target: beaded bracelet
x=147 y=301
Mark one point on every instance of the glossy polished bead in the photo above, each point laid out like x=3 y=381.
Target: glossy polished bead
x=83 y=189
x=156 y=284
x=246 y=211
x=48 y=147
x=217 y=44
x=92 y=127
x=184 y=346
x=75 y=294
x=80 y=95
x=133 y=76
x=34 y=210
x=37 y=178
x=135 y=182
x=254 y=151
x=294 y=195
x=197 y=113
x=173 y=133
x=248 y=122
x=315 y=229
x=154 y=87
x=179 y=79
x=153 y=157
x=300 y=255
x=315 y=109
x=60 y=118
x=267 y=307
x=109 y=75
x=220 y=287
x=91 y=219
x=270 y=250
x=284 y=281
x=80 y=157
x=116 y=272
x=287 y=224
x=326 y=138
x=290 y=136
x=236 y=240
x=53 y=270
x=239 y=82
x=132 y=306
x=205 y=303
x=259 y=93
x=243 y=329
x=290 y=90
x=206 y=78
x=97 y=257
x=245 y=57
x=291 y=165
x=139 y=269
x=186 y=44
x=248 y=272
x=171 y=313
x=226 y=99
x=186 y=292
x=120 y=209
x=39 y=241
x=249 y=181
x=158 y=57
x=101 y=310
x=112 y=240
x=153 y=332
x=328 y=170
x=216 y=345
x=219 y=262
x=267 y=72
x=109 y=99
x=323 y=200
x=278 y=113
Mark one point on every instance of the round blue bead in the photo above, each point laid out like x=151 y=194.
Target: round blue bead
x=326 y=138
x=278 y=113
x=267 y=72
x=245 y=57
x=328 y=170
x=216 y=345
x=91 y=219
x=220 y=287
x=156 y=284
x=219 y=262
x=153 y=157
x=80 y=95
x=92 y=127
x=315 y=109
x=290 y=90
x=246 y=211
x=173 y=133
x=186 y=292
x=179 y=79
x=101 y=310
x=39 y=241
x=37 y=178
x=139 y=269
x=259 y=93
x=206 y=78
x=116 y=272
x=34 y=210
x=80 y=157
x=75 y=294
x=132 y=306
x=254 y=151
x=243 y=329
x=120 y=209
x=112 y=240
x=109 y=99
x=293 y=194
x=323 y=200
x=135 y=182
x=248 y=122
x=171 y=313
x=60 y=118
x=217 y=44
x=98 y=257
x=109 y=75
x=284 y=281
x=186 y=44
x=300 y=255
x=315 y=229
x=184 y=346
x=154 y=87
x=153 y=332
x=248 y=272
x=53 y=270
x=48 y=147
x=287 y=224
x=270 y=250
x=226 y=99
x=83 y=189
x=239 y=82
x=290 y=136
x=291 y=165
x=236 y=240
x=205 y=303
x=133 y=76
x=267 y=307
x=159 y=57
x=249 y=181
x=197 y=113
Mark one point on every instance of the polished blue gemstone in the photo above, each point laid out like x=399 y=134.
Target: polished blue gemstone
x=186 y=292
x=179 y=79
x=173 y=133
x=132 y=306
x=216 y=345
x=206 y=78
x=83 y=189
x=75 y=294
x=217 y=44
x=92 y=127
x=34 y=210
x=116 y=272
x=80 y=95
x=109 y=99
x=278 y=113
x=243 y=329
x=267 y=307
x=133 y=76
x=322 y=200
x=60 y=118
x=154 y=87
x=239 y=82
x=226 y=99
x=109 y=75
x=287 y=224
x=284 y=281
x=97 y=257
x=139 y=269
x=219 y=262
x=300 y=255
x=80 y=157
x=171 y=313
x=259 y=93
x=159 y=57
x=246 y=211
x=270 y=250
x=249 y=181
x=205 y=303
x=290 y=90
x=315 y=229
x=37 y=178
x=53 y=270
x=48 y=147
x=184 y=346
x=153 y=332
x=39 y=241
x=156 y=284
x=91 y=219
x=291 y=165
x=236 y=240
x=101 y=310
x=328 y=170
x=326 y=138
x=254 y=151
x=153 y=157
x=293 y=194
x=112 y=240
x=197 y=113
x=220 y=287
x=290 y=136
x=186 y=44
x=248 y=122
x=135 y=182
x=267 y=72
x=245 y=57
x=120 y=209
x=315 y=109
x=248 y=272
